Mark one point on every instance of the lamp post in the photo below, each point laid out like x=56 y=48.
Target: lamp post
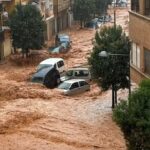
x=115 y=13
x=114 y=94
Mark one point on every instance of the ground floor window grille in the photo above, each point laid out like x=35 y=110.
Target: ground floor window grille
x=135 y=5
x=147 y=7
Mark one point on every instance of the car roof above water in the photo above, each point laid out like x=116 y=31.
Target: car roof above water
x=74 y=80
x=63 y=35
x=51 y=61
x=78 y=68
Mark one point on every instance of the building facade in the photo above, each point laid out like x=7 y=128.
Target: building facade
x=63 y=14
x=5 y=38
x=46 y=9
x=139 y=32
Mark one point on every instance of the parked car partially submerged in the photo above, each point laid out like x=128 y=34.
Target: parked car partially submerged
x=93 y=24
x=105 y=18
x=64 y=39
x=74 y=86
x=77 y=73
x=63 y=44
x=58 y=49
x=49 y=76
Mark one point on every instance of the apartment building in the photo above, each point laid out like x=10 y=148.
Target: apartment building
x=139 y=32
x=46 y=9
x=63 y=14
x=5 y=39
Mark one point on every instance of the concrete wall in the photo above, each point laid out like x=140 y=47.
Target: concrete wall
x=7 y=44
x=50 y=24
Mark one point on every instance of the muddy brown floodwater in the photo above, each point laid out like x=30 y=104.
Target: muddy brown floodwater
x=35 y=118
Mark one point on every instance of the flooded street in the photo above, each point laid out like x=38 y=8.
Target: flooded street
x=33 y=117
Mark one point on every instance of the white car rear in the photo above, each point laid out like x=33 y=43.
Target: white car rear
x=58 y=63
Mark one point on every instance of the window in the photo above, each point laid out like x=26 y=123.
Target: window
x=74 y=85
x=135 y=55
x=81 y=73
x=69 y=73
x=135 y=5
x=147 y=61
x=83 y=83
x=147 y=7
x=60 y=64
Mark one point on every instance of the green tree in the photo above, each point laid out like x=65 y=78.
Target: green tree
x=27 y=28
x=83 y=10
x=134 y=117
x=112 y=71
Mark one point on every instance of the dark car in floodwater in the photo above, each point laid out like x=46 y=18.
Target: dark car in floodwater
x=47 y=76
x=64 y=44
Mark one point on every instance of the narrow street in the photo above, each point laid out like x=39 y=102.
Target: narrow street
x=33 y=117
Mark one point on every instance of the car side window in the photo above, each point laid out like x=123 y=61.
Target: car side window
x=81 y=73
x=74 y=86
x=83 y=83
x=69 y=73
x=60 y=64
x=85 y=73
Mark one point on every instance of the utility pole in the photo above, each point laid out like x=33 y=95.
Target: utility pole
x=115 y=3
x=1 y=33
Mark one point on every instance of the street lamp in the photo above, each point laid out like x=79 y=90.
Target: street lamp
x=106 y=54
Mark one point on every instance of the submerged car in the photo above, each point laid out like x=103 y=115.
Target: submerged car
x=74 y=86
x=48 y=76
x=58 y=49
x=64 y=40
x=62 y=46
x=92 y=24
x=104 y=18
x=77 y=73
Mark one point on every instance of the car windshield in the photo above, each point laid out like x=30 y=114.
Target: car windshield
x=64 y=86
x=64 y=39
x=41 y=66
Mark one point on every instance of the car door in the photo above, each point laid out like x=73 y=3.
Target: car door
x=84 y=86
x=74 y=89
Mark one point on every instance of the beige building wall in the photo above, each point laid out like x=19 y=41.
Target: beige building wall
x=139 y=32
x=7 y=45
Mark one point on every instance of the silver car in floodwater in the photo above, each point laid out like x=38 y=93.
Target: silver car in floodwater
x=77 y=73
x=74 y=86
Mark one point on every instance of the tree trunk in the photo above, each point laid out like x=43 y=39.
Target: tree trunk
x=15 y=50
x=81 y=24
x=22 y=54
x=113 y=96
x=27 y=53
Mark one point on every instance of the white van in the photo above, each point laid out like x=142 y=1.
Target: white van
x=58 y=63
